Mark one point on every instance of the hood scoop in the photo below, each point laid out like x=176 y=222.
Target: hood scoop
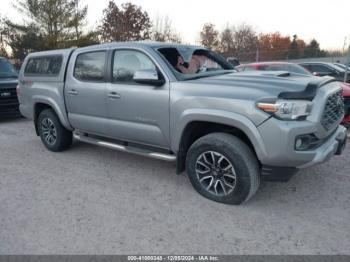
x=309 y=92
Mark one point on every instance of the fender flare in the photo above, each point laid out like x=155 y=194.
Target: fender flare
x=62 y=116
x=220 y=117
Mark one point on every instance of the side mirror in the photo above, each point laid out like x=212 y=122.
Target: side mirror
x=148 y=77
x=316 y=73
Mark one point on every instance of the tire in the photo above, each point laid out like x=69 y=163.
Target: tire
x=241 y=181
x=49 y=125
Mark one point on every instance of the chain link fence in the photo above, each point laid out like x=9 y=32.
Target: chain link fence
x=286 y=55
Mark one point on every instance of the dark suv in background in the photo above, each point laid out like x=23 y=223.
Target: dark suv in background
x=9 y=105
x=326 y=69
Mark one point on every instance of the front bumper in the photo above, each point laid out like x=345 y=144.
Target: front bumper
x=9 y=109
x=334 y=146
x=279 y=142
x=9 y=105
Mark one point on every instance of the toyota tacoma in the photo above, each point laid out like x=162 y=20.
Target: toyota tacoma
x=226 y=129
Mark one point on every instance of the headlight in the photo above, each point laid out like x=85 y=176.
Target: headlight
x=287 y=109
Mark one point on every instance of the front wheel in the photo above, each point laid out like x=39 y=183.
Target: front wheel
x=221 y=167
x=53 y=134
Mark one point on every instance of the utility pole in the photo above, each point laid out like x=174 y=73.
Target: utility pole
x=257 y=53
x=347 y=64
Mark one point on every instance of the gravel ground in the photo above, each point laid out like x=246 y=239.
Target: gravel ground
x=90 y=200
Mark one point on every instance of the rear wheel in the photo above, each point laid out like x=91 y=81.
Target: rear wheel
x=53 y=134
x=221 y=167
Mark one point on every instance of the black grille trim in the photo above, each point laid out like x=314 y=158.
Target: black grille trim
x=8 y=103
x=347 y=106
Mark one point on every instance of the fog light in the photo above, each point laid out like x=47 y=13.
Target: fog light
x=298 y=143
x=306 y=142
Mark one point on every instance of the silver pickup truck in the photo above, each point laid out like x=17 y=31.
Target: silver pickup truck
x=228 y=130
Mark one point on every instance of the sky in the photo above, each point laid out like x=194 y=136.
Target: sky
x=326 y=20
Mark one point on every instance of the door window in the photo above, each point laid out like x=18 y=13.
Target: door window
x=90 y=66
x=321 y=69
x=127 y=62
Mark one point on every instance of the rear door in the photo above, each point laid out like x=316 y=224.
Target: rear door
x=85 y=91
x=137 y=112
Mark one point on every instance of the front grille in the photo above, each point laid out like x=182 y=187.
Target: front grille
x=8 y=100
x=334 y=110
x=347 y=106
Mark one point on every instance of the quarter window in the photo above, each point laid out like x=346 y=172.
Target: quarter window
x=90 y=66
x=321 y=69
x=44 y=66
x=127 y=62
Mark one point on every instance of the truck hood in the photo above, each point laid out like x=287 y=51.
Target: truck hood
x=261 y=83
x=6 y=83
x=239 y=92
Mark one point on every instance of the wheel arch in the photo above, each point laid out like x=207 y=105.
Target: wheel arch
x=41 y=104
x=194 y=126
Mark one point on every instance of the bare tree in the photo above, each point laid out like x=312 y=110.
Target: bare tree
x=3 y=51
x=209 y=36
x=125 y=23
x=77 y=23
x=240 y=41
x=227 y=41
x=78 y=19
x=163 y=31
x=245 y=41
x=273 y=46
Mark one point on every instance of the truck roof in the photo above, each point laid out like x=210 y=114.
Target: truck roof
x=51 y=52
x=140 y=44
x=151 y=44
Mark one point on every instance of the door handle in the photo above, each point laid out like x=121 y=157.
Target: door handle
x=73 y=92
x=114 y=95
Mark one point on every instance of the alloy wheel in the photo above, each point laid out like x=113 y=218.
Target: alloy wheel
x=216 y=173
x=49 y=131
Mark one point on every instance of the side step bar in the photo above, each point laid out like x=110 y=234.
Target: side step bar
x=122 y=148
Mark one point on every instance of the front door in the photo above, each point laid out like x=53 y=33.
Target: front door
x=137 y=112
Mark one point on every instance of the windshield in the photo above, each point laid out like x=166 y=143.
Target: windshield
x=298 y=69
x=342 y=66
x=7 y=69
x=188 y=62
x=338 y=68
